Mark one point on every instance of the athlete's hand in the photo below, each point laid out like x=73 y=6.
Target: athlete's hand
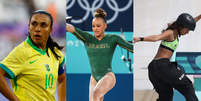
x=70 y=28
x=197 y=18
x=136 y=39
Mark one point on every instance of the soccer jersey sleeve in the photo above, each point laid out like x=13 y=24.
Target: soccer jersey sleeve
x=13 y=63
x=81 y=35
x=61 y=64
x=123 y=43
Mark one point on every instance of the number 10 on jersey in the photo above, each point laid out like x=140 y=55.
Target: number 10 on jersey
x=48 y=81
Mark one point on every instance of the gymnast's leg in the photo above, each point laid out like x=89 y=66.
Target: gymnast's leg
x=100 y=88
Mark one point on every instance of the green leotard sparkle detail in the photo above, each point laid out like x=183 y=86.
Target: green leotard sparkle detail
x=172 y=46
x=100 y=53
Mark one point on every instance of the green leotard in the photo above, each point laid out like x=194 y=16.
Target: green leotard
x=100 y=53
x=172 y=46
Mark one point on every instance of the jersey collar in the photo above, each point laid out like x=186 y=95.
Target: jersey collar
x=35 y=48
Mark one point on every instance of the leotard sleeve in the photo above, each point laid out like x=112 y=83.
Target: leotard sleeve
x=123 y=43
x=81 y=35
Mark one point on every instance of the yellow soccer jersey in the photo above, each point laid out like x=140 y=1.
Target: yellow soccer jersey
x=34 y=74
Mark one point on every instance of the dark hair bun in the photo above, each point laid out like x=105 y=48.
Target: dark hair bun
x=100 y=13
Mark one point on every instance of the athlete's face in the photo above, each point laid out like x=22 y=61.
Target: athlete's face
x=184 y=31
x=39 y=28
x=98 y=26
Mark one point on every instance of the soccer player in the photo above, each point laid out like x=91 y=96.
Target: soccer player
x=36 y=65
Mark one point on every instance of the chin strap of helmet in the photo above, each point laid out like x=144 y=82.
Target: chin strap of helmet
x=178 y=29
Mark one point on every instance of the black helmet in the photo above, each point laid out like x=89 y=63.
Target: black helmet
x=187 y=21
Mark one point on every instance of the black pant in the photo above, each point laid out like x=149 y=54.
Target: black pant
x=165 y=76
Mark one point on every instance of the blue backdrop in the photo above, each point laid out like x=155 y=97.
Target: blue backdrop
x=189 y=62
x=119 y=13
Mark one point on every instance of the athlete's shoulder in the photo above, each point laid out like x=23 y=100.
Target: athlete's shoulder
x=25 y=48
x=82 y=34
x=114 y=36
x=18 y=51
x=58 y=51
x=168 y=32
x=21 y=46
x=80 y=31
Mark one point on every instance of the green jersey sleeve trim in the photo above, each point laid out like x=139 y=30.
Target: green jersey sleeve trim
x=10 y=75
x=35 y=48
x=62 y=63
x=15 y=82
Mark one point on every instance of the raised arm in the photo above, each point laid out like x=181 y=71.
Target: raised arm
x=154 y=38
x=79 y=34
x=70 y=28
x=197 y=18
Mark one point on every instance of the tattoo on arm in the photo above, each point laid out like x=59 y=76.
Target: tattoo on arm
x=69 y=26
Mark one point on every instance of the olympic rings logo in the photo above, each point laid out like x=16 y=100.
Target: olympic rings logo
x=91 y=9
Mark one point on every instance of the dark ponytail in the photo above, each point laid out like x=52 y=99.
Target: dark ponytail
x=172 y=26
x=51 y=44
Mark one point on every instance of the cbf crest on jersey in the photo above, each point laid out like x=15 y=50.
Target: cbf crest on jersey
x=47 y=67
